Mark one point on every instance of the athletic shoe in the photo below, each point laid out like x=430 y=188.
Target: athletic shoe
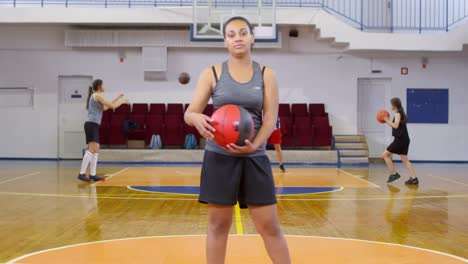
x=96 y=178
x=393 y=177
x=281 y=166
x=412 y=181
x=82 y=177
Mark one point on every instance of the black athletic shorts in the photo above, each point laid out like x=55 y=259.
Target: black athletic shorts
x=399 y=146
x=92 y=132
x=226 y=180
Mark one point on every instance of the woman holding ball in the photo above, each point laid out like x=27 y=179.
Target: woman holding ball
x=234 y=174
x=400 y=144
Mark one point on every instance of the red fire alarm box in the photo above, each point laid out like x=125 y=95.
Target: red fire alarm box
x=404 y=71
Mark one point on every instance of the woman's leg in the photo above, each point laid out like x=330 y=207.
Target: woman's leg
x=219 y=224
x=94 y=160
x=387 y=156
x=405 y=160
x=279 y=153
x=266 y=222
x=86 y=160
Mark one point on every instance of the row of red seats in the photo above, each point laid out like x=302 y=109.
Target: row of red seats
x=302 y=110
x=305 y=125
x=160 y=109
x=157 y=119
x=300 y=128
x=151 y=109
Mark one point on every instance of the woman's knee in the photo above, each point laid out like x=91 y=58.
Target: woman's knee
x=93 y=147
x=269 y=228
x=403 y=158
x=219 y=225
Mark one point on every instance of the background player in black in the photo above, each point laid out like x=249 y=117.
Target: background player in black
x=400 y=144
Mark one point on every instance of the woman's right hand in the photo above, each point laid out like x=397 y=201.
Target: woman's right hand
x=202 y=123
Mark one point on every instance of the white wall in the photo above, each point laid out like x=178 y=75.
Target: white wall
x=307 y=70
x=330 y=26
x=434 y=141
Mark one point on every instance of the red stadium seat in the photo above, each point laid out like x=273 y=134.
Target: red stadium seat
x=154 y=126
x=317 y=109
x=208 y=110
x=122 y=110
x=284 y=110
x=117 y=136
x=299 y=110
x=157 y=109
x=139 y=134
x=104 y=128
x=322 y=132
x=303 y=132
x=173 y=131
x=141 y=109
x=175 y=109
x=287 y=130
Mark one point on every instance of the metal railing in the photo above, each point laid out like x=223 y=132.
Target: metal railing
x=391 y=15
x=377 y=15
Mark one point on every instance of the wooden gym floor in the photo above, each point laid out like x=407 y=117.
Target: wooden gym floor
x=151 y=215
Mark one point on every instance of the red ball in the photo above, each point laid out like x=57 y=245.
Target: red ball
x=184 y=78
x=233 y=124
x=381 y=115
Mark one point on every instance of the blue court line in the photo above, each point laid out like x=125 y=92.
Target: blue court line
x=200 y=163
x=195 y=190
x=437 y=161
x=350 y=149
x=35 y=159
x=344 y=164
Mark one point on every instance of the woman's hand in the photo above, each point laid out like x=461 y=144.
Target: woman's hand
x=386 y=118
x=202 y=123
x=246 y=149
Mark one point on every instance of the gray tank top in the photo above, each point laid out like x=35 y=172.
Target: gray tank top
x=248 y=95
x=95 y=109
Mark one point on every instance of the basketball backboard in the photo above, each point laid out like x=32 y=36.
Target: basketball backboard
x=210 y=15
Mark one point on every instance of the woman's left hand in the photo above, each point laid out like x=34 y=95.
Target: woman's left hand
x=386 y=118
x=246 y=149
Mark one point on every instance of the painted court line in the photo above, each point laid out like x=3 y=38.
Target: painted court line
x=375 y=198
x=194 y=199
x=239 y=227
x=154 y=192
x=298 y=194
x=449 y=180
x=112 y=175
x=20 y=177
x=358 y=178
x=14 y=261
x=278 y=194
